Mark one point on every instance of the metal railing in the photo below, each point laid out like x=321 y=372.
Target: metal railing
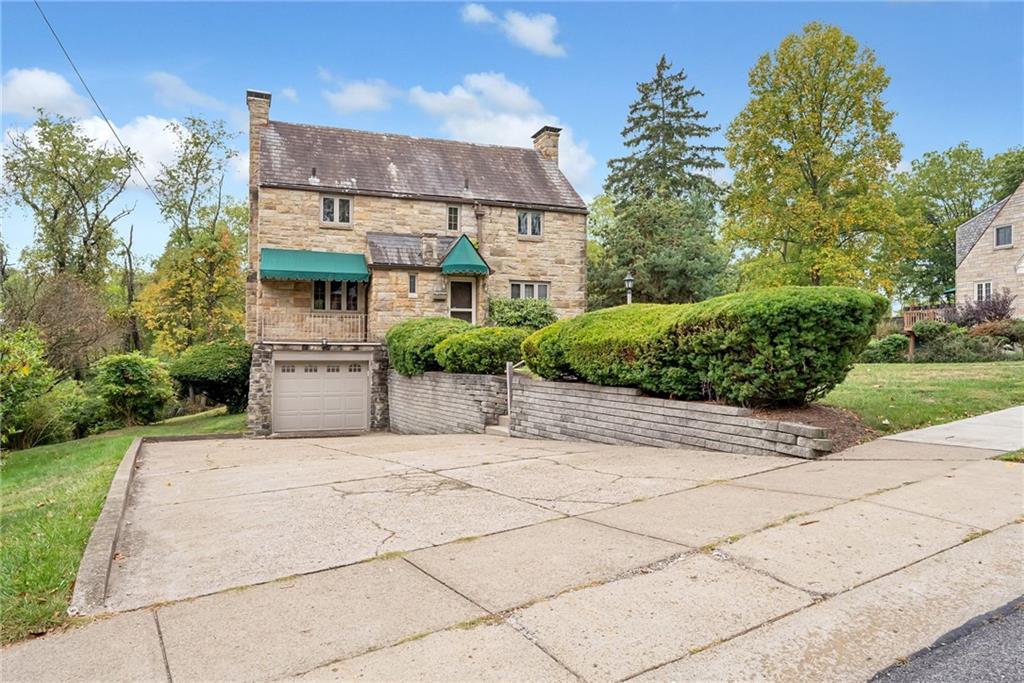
x=315 y=326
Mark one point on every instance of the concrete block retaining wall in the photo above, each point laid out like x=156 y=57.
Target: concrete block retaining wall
x=445 y=403
x=621 y=415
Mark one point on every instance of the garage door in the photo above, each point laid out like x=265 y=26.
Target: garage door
x=312 y=396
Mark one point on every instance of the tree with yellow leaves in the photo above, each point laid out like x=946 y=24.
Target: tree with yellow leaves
x=812 y=153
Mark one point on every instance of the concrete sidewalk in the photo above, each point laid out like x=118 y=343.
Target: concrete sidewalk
x=1002 y=430
x=503 y=559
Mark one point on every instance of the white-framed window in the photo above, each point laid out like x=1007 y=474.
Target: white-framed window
x=412 y=284
x=462 y=300
x=454 y=216
x=983 y=291
x=1004 y=236
x=335 y=295
x=529 y=223
x=529 y=290
x=335 y=210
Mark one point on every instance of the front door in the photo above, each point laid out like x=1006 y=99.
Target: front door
x=462 y=300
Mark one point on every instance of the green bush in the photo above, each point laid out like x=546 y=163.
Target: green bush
x=483 y=350
x=529 y=313
x=954 y=345
x=891 y=348
x=787 y=345
x=24 y=376
x=411 y=343
x=544 y=352
x=61 y=414
x=930 y=330
x=218 y=370
x=134 y=388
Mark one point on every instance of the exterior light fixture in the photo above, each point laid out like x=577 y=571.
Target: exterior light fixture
x=629 y=287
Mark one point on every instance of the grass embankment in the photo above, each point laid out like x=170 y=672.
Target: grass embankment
x=51 y=497
x=895 y=397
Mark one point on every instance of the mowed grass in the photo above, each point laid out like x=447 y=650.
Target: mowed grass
x=895 y=397
x=50 y=497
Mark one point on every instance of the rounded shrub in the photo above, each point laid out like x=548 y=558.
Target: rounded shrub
x=411 y=343
x=529 y=313
x=1010 y=330
x=787 y=345
x=482 y=350
x=891 y=348
x=218 y=370
x=134 y=388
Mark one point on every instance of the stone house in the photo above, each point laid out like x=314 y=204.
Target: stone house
x=990 y=252
x=353 y=231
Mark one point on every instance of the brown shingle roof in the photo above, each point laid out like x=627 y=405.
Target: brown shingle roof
x=400 y=249
x=398 y=165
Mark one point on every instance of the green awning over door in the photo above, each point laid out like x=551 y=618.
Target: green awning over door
x=294 y=264
x=463 y=259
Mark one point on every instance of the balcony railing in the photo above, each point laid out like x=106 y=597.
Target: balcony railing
x=312 y=326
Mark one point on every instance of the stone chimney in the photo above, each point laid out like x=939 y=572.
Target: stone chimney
x=545 y=141
x=259 y=116
x=428 y=242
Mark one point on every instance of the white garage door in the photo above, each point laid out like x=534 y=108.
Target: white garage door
x=312 y=396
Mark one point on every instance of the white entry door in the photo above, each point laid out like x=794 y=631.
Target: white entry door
x=312 y=396
x=462 y=300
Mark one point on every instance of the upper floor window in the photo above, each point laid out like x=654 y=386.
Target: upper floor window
x=530 y=223
x=529 y=290
x=453 y=218
x=983 y=291
x=1004 y=236
x=412 y=283
x=335 y=295
x=335 y=210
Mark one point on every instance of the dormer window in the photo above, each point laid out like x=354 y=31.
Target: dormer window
x=335 y=210
x=453 y=218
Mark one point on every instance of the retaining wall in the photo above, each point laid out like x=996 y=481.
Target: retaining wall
x=620 y=415
x=445 y=403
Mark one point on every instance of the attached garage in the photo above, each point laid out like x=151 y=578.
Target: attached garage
x=314 y=395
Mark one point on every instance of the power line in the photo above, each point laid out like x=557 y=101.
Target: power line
x=92 y=97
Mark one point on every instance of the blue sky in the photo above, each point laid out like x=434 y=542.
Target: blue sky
x=490 y=73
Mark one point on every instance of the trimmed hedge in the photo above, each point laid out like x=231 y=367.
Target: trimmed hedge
x=218 y=370
x=411 y=343
x=891 y=348
x=529 y=313
x=483 y=350
x=787 y=345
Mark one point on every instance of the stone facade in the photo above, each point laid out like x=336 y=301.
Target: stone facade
x=445 y=403
x=1002 y=266
x=290 y=219
x=620 y=415
x=259 y=421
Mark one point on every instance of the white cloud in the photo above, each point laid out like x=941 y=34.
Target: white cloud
x=488 y=108
x=290 y=94
x=536 y=32
x=474 y=13
x=356 y=96
x=324 y=74
x=172 y=91
x=148 y=136
x=25 y=90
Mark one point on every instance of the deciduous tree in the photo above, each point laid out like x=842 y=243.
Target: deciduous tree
x=812 y=152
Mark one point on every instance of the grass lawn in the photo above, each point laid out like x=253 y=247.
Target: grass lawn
x=51 y=497
x=895 y=397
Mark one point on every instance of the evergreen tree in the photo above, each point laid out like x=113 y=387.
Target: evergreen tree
x=665 y=134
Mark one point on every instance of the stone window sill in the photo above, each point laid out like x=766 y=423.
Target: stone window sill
x=1004 y=246
x=336 y=226
x=530 y=238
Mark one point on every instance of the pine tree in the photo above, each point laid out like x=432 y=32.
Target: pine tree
x=665 y=133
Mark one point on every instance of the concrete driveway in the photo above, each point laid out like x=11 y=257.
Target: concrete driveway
x=386 y=557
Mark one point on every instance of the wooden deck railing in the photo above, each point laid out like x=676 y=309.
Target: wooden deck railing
x=312 y=326
x=915 y=314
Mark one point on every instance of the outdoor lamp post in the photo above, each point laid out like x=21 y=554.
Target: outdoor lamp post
x=629 y=287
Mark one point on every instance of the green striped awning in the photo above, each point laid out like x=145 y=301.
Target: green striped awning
x=294 y=264
x=463 y=258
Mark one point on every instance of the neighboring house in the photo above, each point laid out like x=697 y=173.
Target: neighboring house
x=990 y=252
x=352 y=231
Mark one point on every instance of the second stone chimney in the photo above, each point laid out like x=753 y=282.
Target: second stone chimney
x=545 y=141
x=259 y=116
